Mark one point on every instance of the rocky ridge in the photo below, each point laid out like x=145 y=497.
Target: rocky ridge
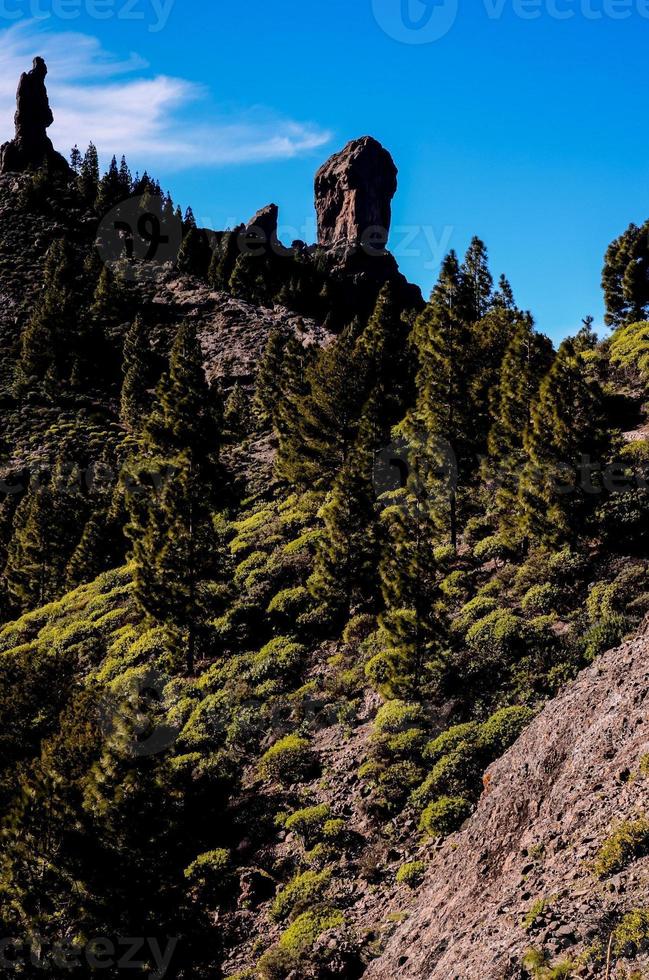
x=549 y=804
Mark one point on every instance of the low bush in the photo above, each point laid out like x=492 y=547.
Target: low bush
x=444 y=816
x=628 y=842
x=631 y=937
x=308 y=822
x=303 y=891
x=290 y=760
x=411 y=874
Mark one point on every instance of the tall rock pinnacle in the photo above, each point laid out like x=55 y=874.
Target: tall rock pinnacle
x=353 y=193
x=31 y=147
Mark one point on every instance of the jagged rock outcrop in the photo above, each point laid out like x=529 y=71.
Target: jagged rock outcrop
x=31 y=147
x=549 y=804
x=353 y=194
x=263 y=224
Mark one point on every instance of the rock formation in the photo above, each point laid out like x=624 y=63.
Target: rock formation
x=263 y=225
x=353 y=194
x=31 y=147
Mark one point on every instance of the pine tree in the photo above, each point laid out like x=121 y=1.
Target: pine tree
x=236 y=416
x=47 y=527
x=383 y=349
x=345 y=575
x=195 y=253
x=109 y=192
x=527 y=360
x=135 y=370
x=442 y=417
x=171 y=526
x=268 y=386
x=48 y=342
x=567 y=434
x=125 y=179
x=504 y=296
x=224 y=258
x=89 y=174
x=413 y=618
x=476 y=282
x=318 y=416
x=76 y=159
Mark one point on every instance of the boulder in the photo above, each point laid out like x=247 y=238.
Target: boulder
x=353 y=194
x=31 y=148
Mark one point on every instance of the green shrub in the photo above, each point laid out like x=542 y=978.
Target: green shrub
x=493 y=548
x=303 y=891
x=540 y=599
x=289 y=602
x=334 y=829
x=502 y=729
x=534 y=913
x=604 y=636
x=451 y=739
x=290 y=760
x=275 y=964
x=444 y=816
x=631 y=937
x=397 y=716
x=303 y=931
x=498 y=635
x=210 y=872
x=411 y=874
x=308 y=822
x=282 y=657
x=358 y=629
x=628 y=842
x=476 y=609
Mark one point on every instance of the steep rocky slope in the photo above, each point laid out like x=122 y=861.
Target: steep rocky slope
x=549 y=805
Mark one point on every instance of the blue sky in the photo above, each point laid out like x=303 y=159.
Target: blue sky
x=522 y=121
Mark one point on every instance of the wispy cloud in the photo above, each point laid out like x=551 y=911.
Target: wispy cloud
x=111 y=101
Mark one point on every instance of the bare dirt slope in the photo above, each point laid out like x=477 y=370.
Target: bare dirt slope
x=548 y=805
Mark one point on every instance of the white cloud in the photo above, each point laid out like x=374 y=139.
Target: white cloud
x=95 y=96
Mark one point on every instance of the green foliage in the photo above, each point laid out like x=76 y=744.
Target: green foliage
x=631 y=936
x=210 y=872
x=289 y=760
x=308 y=822
x=134 y=398
x=171 y=496
x=628 y=842
x=444 y=816
x=303 y=891
x=411 y=874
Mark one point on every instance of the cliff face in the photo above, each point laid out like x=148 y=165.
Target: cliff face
x=548 y=806
x=353 y=194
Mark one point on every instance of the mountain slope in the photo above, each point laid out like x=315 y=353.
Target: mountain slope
x=549 y=805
